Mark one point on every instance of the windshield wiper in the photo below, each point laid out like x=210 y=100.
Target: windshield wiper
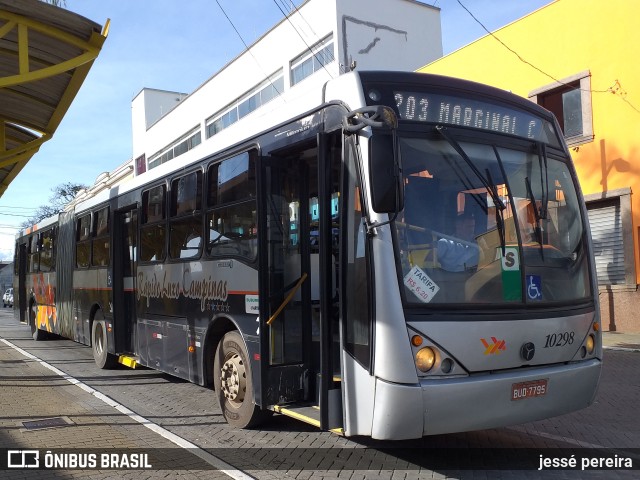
x=536 y=213
x=487 y=182
x=534 y=203
x=499 y=211
x=540 y=213
x=544 y=180
x=493 y=191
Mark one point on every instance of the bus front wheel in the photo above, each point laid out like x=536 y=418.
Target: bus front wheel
x=233 y=384
x=99 y=344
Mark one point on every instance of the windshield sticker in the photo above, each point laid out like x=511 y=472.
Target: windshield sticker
x=421 y=284
x=510 y=260
x=534 y=287
x=511 y=280
x=251 y=304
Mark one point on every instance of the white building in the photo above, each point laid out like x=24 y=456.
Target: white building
x=317 y=41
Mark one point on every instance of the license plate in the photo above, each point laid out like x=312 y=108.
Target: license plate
x=522 y=390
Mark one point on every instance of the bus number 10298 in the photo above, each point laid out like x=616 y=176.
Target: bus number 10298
x=559 y=339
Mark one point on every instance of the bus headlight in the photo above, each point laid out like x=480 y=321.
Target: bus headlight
x=425 y=359
x=590 y=344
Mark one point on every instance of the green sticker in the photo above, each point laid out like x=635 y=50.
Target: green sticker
x=511 y=278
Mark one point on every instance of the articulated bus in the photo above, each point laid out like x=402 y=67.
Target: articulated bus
x=405 y=255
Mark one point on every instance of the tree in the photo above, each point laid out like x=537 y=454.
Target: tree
x=57 y=3
x=62 y=194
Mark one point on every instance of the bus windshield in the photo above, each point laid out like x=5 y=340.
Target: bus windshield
x=485 y=224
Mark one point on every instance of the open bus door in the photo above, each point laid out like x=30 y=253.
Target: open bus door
x=298 y=293
x=20 y=294
x=124 y=278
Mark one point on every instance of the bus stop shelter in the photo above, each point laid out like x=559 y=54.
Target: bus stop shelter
x=46 y=53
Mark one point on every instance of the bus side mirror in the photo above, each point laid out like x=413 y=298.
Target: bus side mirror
x=385 y=174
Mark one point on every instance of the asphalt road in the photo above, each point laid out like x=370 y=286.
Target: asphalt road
x=286 y=448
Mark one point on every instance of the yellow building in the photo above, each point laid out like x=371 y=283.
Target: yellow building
x=578 y=58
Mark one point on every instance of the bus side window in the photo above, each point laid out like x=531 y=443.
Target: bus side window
x=47 y=253
x=100 y=242
x=153 y=228
x=185 y=233
x=83 y=241
x=33 y=249
x=231 y=201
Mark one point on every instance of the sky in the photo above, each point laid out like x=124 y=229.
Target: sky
x=173 y=45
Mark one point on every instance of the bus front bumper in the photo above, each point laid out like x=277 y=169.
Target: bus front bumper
x=481 y=401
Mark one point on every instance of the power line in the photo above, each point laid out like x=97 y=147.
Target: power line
x=310 y=28
x=302 y=38
x=621 y=93
x=614 y=89
x=14 y=215
x=520 y=57
x=17 y=207
x=248 y=49
x=304 y=19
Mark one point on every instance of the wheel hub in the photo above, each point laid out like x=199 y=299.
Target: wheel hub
x=234 y=379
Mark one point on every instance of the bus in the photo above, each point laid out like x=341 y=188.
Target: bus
x=394 y=256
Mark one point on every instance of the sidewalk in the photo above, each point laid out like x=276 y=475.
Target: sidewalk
x=621 y=341
x=40 y=410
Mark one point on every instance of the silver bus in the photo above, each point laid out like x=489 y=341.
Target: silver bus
x=396 y=255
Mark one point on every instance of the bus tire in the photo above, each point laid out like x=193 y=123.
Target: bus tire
x=99 y=345
x=233 y=383
x=36 y=333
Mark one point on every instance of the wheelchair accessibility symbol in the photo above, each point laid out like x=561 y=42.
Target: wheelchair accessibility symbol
x=534 y=287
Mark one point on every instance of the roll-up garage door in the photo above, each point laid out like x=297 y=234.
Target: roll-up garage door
x=608 y=247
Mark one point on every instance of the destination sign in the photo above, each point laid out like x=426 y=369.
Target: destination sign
x=467 y=112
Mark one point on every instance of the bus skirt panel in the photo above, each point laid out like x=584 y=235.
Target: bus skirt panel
x=482 y=401
x=507 y=398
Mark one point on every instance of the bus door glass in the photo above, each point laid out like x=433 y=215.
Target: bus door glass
x=302 y=267
x=288 y=285
x=21 y=297
x=124 y=278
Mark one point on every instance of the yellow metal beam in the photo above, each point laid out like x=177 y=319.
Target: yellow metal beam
x=18 y=154
x=71 y=68
x=94 y=42
x=23 y=49
x=6 y=28
x=91 y=48
x=17 y=168
x=27 y=76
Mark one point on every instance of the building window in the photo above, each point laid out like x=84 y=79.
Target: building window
x=612 y=234
x=176 y=148
x=570 y=102
x=259 y=95
x=141 y=164
x=312 y=60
